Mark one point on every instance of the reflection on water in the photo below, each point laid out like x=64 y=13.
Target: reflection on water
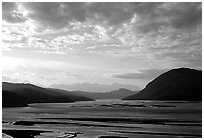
x=105 y=118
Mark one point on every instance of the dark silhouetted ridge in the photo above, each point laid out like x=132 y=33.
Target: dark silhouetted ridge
x=35 y=94
x=177 y=84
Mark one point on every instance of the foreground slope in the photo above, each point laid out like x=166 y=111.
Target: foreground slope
x=177 y=84
x=36 y=94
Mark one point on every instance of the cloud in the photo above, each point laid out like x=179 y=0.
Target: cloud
x=55 y=15
x=145 y=74
x=153 y=16
x=30 y=77
x=149 y=16
x=171 y=31
x=8 y=79
x=47 y=14
x=47 y=78
x=11 y=13
x=183 y=15
x=183 y=47
x=21 y=64
x=68 y=74
x=109 y=13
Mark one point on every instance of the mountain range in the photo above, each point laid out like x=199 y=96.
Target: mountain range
x=177 y=84
x=95 y=87
x=115 y=94
x=20 y=94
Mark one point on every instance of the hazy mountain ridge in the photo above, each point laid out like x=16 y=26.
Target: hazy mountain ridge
x=116 y=94
x=88 y=87
x=78 y=97
x=176 y=84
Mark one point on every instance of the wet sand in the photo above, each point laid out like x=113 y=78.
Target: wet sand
x=105 y=119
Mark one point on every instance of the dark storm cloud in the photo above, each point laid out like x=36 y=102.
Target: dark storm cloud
x=47 y=14
x=184 y=15
x=59 y=15
x=175 y=15
x=75 y=10
x=11 y=14
x=145 y=74
x=110 y=13
x=56 y=15
x=150 y=16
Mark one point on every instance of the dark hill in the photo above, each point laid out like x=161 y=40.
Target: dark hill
x=11 y=99
x=35 y=94
x=177 y=84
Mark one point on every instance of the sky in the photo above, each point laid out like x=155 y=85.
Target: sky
x=94 y=42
